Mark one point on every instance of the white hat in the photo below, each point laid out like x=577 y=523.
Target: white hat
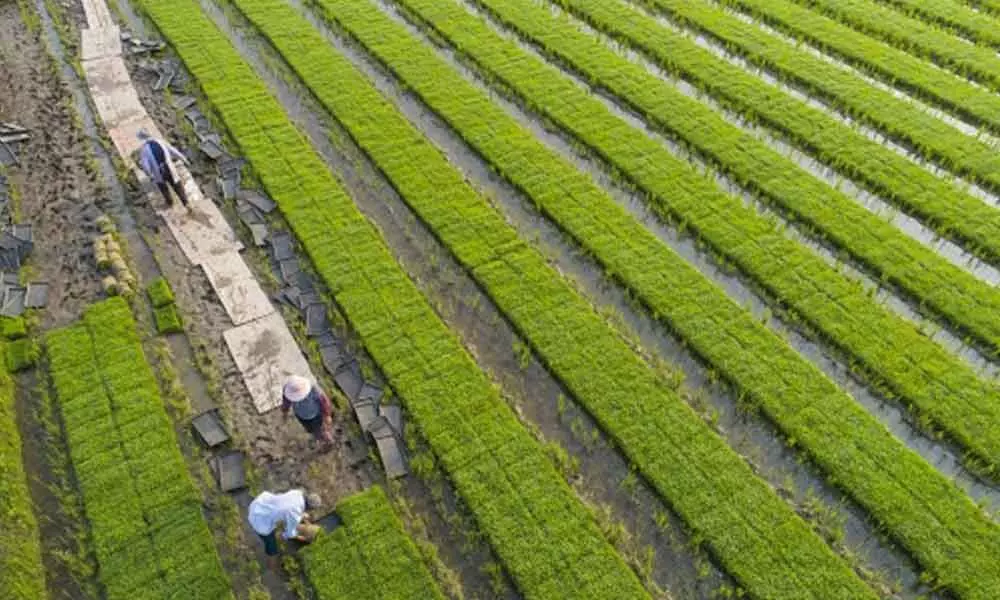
x=296 y=388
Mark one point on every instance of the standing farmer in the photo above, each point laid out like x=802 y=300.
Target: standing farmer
x=156 y=159
x=269 y=511
x=311 y=407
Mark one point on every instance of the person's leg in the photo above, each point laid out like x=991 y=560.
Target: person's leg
x=319 y=431
x=325 y=435
x=176 y=184
x=165 y=190
x=271 y=549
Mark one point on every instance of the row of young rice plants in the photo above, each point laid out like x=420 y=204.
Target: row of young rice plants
x=22 y=576
x=687 y=462
x=971 y=24
x=985 y=6
x=545 y=536
x=931 y=517
x=894 y=256
x=951 y=212
x=146 y=521
x=938 y=384
x=978 y=63
x=894 y=66
x=369 y=556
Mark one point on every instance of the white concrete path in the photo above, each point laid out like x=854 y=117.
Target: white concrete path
x=260 y=341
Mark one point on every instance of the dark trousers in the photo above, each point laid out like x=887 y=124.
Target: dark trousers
x=169 y=181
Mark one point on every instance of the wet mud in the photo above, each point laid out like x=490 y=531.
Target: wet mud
x=59 y=194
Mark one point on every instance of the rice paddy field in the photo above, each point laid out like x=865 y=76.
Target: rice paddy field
x=679 y=298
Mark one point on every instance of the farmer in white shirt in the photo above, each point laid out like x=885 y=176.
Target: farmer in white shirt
x=156 y=160
x=269 y=511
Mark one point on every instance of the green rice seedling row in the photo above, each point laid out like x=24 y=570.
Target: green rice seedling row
x=146 y=521
x=951 y=15
x=951 y=212
x=546 y=538
x=370 y=556
x=985 y=6
x=839 y=308
x=976 y=62
x=892 y=65
x=644 y=416
x=900 y=259
x=444 y=89
x=22 y=576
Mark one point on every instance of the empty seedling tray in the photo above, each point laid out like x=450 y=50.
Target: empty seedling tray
x=389 y=448
x=210 y=428
x=349 y=379
x=229 y=471
x=37 y=295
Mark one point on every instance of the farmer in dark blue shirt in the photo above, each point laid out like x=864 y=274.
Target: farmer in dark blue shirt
x=311 y=407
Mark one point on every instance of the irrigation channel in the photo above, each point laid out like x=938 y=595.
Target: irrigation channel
x=567 y=258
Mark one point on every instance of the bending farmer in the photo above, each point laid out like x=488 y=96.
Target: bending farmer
x=156 y=159
x=269 y=511
x=311 y=407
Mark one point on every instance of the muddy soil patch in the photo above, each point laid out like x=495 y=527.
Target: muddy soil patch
x=59 y=194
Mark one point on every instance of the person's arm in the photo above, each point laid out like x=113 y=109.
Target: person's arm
x=147 y=163
x=285 y=406
x=291 y=527
x=175 y=153
x=293 y=516
x=324 y=404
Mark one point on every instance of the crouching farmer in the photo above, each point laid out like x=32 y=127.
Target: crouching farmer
x=311 y=407
x=270 y=511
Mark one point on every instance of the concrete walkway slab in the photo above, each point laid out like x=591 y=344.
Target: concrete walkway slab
x=238 y=290
x=114 y=97
x=266 y=354
x=98 y=15
x=100 y=43
x=203 y=234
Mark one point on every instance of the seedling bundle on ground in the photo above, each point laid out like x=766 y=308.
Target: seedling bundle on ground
x=613 y=299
